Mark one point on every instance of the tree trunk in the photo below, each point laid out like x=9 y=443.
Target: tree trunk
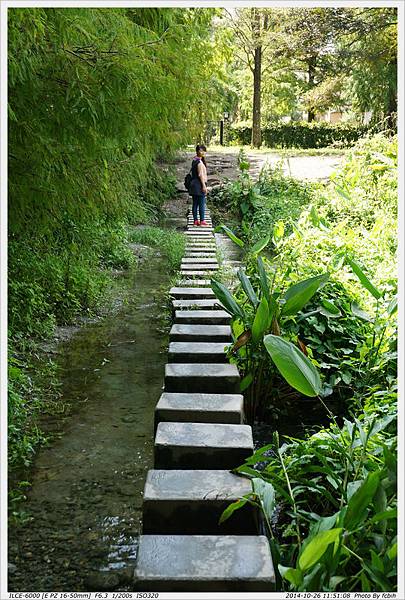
x=257 y=83
x=392 y=105
x=311 y=78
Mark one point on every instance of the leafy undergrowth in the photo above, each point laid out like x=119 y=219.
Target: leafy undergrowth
x=315 y=316
x=170 y=243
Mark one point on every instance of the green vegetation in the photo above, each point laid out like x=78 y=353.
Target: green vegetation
x=285 y=152
x=171 y=243
x=298 y=64
x=254 y=208
x=99 y=99
x=87 y=132
x=315 y=315
x=337 y=493
x=300 y=135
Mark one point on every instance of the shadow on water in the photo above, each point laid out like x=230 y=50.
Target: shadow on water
x=85 y=502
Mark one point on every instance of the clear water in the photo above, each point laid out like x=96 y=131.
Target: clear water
x=86 y=497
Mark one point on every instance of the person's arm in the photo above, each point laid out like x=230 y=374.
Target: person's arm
x=200 y=172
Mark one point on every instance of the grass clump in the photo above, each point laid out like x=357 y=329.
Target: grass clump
x=170 y=242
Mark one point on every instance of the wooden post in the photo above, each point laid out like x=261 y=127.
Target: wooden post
x=221 y=133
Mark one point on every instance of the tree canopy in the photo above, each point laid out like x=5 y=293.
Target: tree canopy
x=313 y=59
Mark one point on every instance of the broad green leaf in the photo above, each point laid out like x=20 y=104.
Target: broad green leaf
x=300 y=293
x=342 y=192
x=335 y=581
x=247 y=288
x=328 y=309
x=260 y=245
x=383 y=582
x=264 y=284
x=360 y=500
x=376 y=561
x=231 y=509
x=317 y=547
x=358 y=312
x=381 y=424
x=231 y=235
x=392 y=552
x=323 y=524
x=293 y=365
x=261 y=321
x=365 y=584
x=357 y=270
x=265 y=492
x=278 y=232
x=385 y=515
x=226 y=299
x=393 y=306
x=352 y=487
x=294 y=576
x=246 y=382
x=313 y=213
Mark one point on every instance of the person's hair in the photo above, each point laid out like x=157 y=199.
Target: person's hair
x=200 y=147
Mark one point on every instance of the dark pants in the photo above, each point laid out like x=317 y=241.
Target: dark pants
x=199 y=204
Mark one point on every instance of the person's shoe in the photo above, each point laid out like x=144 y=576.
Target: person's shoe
x=196 y=222
x=204 y=223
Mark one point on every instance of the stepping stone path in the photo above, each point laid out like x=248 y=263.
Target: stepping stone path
x=200 y=436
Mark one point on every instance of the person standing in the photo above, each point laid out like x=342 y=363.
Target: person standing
x=198 y=186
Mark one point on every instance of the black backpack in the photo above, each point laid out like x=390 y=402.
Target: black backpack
x=189 y=177
x=187 y=180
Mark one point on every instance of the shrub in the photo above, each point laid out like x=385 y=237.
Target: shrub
x=301 y=135
x=330 y=505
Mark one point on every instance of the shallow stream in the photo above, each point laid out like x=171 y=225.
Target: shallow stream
x=84 y=506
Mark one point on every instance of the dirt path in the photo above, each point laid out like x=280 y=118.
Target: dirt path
x=223 y=166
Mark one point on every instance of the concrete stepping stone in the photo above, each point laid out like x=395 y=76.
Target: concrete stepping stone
x=197 y=352
x=191 y=292
x=199 y=260
x=208 y=220
x=199 y=234
x=202 y=445
x=203 y=241
x=209 y=317
x=200 y=231
x=201 y=244
x=204 y=563
x=199 y=408
x=202 y=249
x=197 y=273
x=200 y=333
x=195 y=304
x=205 y=378
x=191 y=502
x=191 y=282
x=201 y=254
x=204 y=266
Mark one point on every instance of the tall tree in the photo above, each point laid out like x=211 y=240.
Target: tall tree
x=370 y=46
x=251 y=34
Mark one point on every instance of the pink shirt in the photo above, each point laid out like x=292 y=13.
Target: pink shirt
x=201 y=169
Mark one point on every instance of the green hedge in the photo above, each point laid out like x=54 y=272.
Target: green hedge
x=301 y=135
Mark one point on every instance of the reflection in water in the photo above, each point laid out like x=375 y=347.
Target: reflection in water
x=122 y=550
